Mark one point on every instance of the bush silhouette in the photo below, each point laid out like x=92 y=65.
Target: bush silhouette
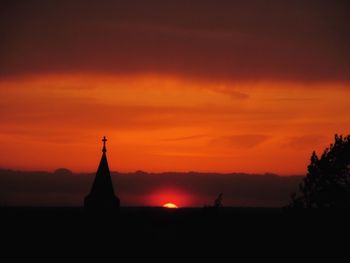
x=327 y=183
x=218 y=201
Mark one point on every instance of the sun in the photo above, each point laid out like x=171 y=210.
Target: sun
x=170 y=205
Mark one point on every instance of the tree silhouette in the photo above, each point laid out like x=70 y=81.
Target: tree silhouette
x=327 y=183
x=218 y=201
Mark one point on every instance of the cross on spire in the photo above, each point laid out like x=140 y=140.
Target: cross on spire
x=104 y=144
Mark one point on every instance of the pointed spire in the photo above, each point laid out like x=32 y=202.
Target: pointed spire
x=104 y=144
x=102 y=192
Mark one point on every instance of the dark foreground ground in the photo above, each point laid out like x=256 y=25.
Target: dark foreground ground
x=237 y=229
x=144 y=223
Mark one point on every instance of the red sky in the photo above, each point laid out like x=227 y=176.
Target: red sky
x=244 y=86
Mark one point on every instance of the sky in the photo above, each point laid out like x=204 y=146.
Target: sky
x=209 y=86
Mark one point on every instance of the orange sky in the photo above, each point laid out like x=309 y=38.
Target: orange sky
x=228 y=86
x=158 y=122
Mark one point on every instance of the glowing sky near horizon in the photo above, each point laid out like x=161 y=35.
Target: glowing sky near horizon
x=164 y=123
x=229 y=86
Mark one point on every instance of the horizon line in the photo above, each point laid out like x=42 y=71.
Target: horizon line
x=154 y=172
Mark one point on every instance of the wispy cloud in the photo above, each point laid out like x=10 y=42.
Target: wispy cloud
x=240 y=141
x=185 y=138
x=309 y=141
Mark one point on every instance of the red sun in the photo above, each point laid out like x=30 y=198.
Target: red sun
x=170 y=205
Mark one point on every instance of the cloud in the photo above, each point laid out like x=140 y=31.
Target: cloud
x=117 y=116
x=240 y=141
x=273 y=40
x=196 y=189
x=309 y=141
x=185 y=138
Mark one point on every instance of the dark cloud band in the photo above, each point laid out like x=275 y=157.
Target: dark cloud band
x=234 y=40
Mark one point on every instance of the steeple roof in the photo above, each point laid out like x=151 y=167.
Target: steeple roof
x=102 y=192
x=103 y=183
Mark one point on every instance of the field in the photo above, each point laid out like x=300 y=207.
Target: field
x=151 y=232
x=145 y=223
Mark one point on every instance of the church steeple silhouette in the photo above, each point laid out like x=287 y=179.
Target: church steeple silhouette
x=102 y=193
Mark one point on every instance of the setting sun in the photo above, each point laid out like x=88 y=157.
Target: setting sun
x=170 y=205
